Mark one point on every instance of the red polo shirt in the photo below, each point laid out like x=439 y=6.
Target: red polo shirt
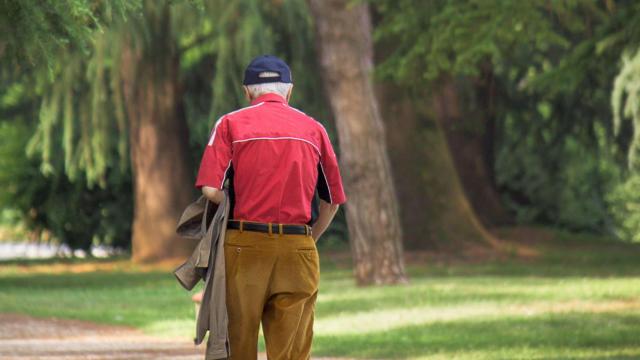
x=276 y=157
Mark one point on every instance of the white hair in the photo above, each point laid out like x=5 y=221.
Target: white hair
x=279 y=88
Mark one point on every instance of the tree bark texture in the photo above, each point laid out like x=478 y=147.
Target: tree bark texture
x=470 y=137
x=343 y=31
x=436 y=214
x=158 y=137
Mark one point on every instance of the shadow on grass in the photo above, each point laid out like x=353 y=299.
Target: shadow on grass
x=334 y=303
x=552 y=334
x=601 y=259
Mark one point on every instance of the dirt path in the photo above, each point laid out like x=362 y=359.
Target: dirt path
x=23 y=337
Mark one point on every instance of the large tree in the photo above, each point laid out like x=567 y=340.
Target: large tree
x=436 y=213
x=346 y=55
x=158 y=135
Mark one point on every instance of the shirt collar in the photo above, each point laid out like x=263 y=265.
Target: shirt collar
x=269 y=97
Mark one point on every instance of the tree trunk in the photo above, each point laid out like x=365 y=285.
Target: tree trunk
x=436 y=213
x=158 y=137
x=343 y=31
x=470 y=134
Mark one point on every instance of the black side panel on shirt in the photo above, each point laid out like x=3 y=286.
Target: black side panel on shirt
x=322 y=187
x=322 y=192
x=232 y=194
x=315 y=210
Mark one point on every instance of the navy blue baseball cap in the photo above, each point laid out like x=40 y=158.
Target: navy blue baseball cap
x=268 y=64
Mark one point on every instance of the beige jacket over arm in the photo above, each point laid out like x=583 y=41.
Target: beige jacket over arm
x=207 y=221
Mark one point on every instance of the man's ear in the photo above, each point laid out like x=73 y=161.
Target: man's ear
x=289 y=93
x=247 y=94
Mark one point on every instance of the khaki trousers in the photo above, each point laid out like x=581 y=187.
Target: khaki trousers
x=274 y=279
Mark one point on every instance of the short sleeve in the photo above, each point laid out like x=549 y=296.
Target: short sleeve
x=216 y=159
x=329 y=186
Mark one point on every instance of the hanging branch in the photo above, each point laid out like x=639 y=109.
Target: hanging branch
x=625 y=101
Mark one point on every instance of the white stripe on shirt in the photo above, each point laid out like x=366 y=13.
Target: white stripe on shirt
x=280 y=138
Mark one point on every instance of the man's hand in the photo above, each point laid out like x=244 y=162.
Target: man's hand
x=327 y=212
x=213 y=194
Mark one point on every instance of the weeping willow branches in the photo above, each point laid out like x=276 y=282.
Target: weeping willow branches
x=244 y=29
x=82 y=116
x=625 y=100
x=35 y=31
x=83 y=112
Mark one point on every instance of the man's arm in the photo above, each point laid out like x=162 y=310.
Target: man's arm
x=213 y=194
x=216 y=161
x=326 y=213
x=329 y=186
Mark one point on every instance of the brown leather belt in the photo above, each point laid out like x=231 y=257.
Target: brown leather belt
x=271 y=228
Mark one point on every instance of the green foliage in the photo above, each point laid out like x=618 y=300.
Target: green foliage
x=60 y=56
x=556 y=158
x=52 y=207
x=625 y=206
x=431 y=38
x=44 y=65
x=82 y=116
x=625 y=102
x=542 y=180
x=628 y=83
x=35 y=31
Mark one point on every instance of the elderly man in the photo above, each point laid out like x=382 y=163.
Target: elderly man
x=276 y=159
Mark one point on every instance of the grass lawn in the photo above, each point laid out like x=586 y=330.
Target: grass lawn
x=580 y=299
